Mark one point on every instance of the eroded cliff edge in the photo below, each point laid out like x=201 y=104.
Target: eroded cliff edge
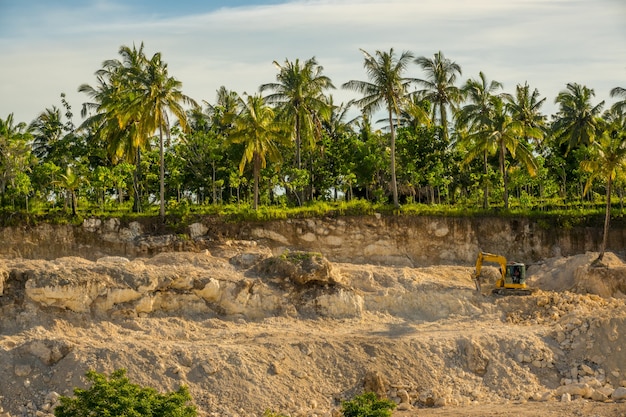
x=376 y=239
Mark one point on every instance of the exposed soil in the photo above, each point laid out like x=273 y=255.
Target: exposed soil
x=420 y=336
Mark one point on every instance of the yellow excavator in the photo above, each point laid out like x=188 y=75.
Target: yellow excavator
x=512 y=279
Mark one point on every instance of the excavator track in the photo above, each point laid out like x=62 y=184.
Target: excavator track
x=512 y=291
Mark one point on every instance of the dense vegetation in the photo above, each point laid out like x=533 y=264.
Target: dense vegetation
x=143 y=145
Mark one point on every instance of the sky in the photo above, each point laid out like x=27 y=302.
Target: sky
x=49 y=47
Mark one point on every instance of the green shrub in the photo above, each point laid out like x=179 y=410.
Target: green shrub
x=117 y=397
x=367 y=405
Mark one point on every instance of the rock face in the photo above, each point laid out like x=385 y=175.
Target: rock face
x=185 y=284
x=397 y=240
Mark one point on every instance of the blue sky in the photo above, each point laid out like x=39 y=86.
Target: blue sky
x=49 y=47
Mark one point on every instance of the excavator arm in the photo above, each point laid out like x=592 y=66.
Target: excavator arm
x=488 y=257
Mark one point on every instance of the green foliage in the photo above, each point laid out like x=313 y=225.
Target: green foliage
x=116 y=396
x=367 y=405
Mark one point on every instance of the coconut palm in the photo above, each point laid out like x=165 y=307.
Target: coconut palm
x=607 y=161
x=257 y=129
x=110 y=116
x=131 y=102
x=500 y=134
x=386 y=87
x=415 y=112
x=479 y=108
x=300 y=93
x=71 y=182
x=15 y=156
x=620 y=105
x=525 y=106
x=439 y=86
x=47 y=130
x=577 y=119
x=475 y=116
x=159 y=94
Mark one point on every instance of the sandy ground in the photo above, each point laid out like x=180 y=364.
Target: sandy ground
x=423 y=334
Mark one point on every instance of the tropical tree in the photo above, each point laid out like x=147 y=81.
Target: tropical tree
x=71 y=182
x=132 y=101
x=159 y=94
x=386 y=87
x=47 y=131
x=15 y=155
x=439 y=86
x=525 y=106
x=619 y=105
x=300 y=93
x=475 y=116
x=501 y=133
x=608 y=162
x=111 y=120
x=577 y=119
x=257 y=129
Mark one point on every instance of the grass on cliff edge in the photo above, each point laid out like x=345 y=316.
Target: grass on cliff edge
x=178 y=215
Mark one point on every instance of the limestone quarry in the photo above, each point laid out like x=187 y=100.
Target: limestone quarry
x=298 y=316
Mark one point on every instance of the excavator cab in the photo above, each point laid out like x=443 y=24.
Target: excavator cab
x=515 y=273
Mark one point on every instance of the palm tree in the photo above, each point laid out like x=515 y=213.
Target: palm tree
x=15 y=155
x=299 y=92
x=70 y=181
x=501 y=133
x=47 y=130
x=577 y=119
x=131 y=102
x=526 y=107
x=257 y=129
x=388 y=87
x=110 y=115
x=619 y=92
x=476 y=116
x=415 y=112
x=608 y=161
x=159 y=94
x=438 y=86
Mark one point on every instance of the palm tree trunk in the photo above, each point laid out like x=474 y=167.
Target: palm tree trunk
x=504 y=176
x=161 y=172
x=486 y=183
x=607 y=219
x=300 y=193
x=214 y=188
x=136 y=180
x=73 y=202
x=257 y=170
x=394 y=185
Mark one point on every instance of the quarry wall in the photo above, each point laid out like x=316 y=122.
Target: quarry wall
x=376 y=239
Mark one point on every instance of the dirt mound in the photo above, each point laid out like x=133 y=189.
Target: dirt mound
x=248 y=331
x=581 y=274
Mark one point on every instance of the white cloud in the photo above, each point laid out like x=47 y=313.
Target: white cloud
x=545 y=42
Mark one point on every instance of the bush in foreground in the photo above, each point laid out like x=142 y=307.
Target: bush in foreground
x=367 y=405
x=116 y=396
